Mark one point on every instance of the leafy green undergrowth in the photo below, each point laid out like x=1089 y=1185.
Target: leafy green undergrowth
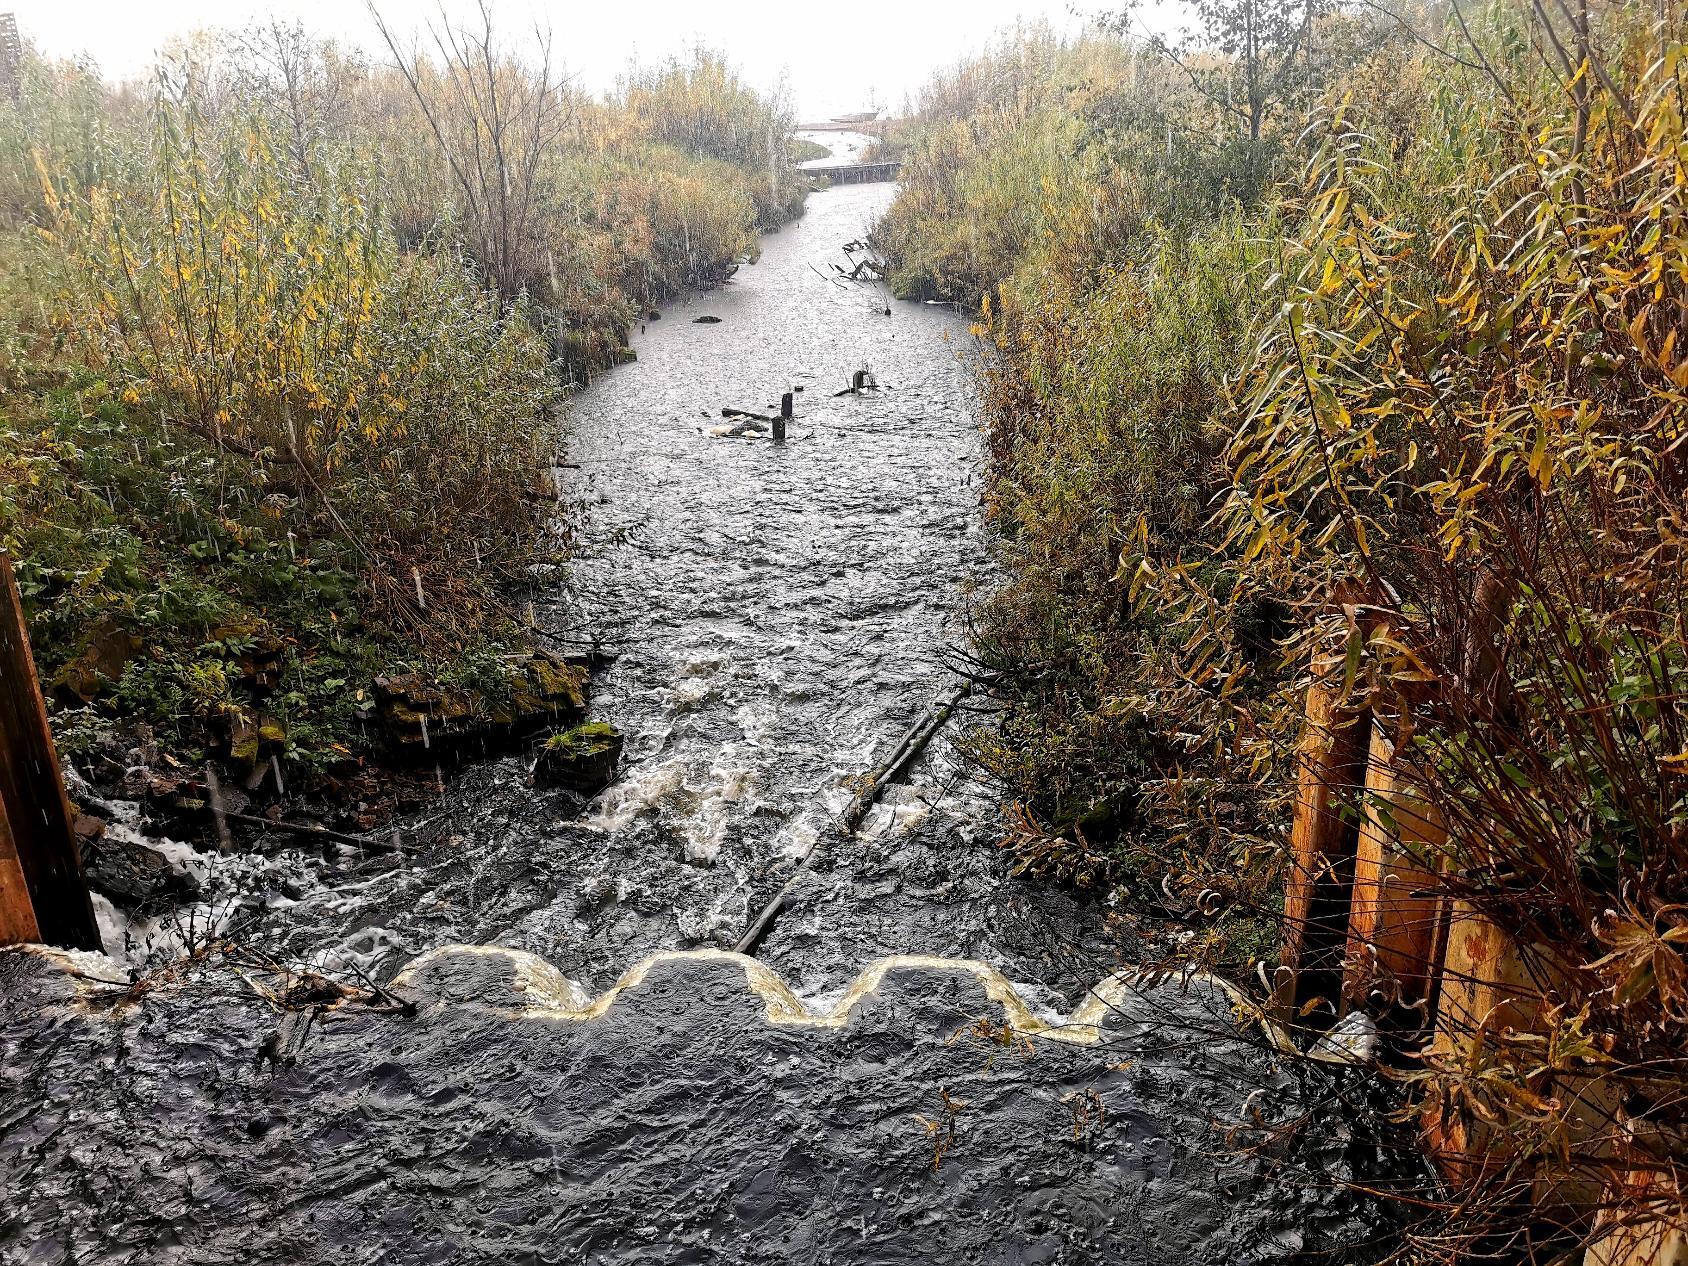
x=174 y=591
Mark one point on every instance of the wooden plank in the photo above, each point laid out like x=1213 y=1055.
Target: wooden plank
x=1331 y=771
x=1638 y=1239
x=17 y=915
x=1393 y=923
x=32 y=796
x=1489 y=985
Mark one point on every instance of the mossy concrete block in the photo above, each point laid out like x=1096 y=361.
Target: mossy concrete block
x=418 y=711
x=107 y=652
x=253 y=739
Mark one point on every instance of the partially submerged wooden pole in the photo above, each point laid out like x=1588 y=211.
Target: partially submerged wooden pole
x=784 y=417
x=903 y=755
x=43 y=896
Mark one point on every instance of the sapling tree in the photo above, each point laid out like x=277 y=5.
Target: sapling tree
x=494 y=118
x=1253 y=60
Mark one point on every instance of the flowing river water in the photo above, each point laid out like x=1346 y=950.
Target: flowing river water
x=777 y=614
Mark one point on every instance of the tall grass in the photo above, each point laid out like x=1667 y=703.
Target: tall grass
x=702 y=107
x=274 y=317
x=306 y=322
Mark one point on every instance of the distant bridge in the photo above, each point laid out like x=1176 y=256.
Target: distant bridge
x=857 y=173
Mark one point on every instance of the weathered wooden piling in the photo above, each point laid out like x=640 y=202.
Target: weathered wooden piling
x=1394 y=919
x=784 y=417
x=1331 y=769
x=43 y=896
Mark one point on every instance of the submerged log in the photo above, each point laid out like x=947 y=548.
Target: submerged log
x=904 y=754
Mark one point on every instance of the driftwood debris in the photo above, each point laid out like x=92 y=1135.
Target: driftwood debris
x=860 y=380
x=751 y=423
x=311 y=830
x=903 y=755
x=864 y=270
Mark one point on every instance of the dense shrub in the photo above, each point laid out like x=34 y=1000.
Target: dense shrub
x=275 y=319
x=1411 y=413
x=283 y=350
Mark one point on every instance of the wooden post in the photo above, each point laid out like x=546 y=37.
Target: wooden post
x=1331 y=764
x=1637 y=1226
x=42 y=893
x=784 y=417
x=1393 y=923
x=17 y=914
x=1491 y=985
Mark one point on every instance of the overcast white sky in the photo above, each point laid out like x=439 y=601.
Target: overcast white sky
x=834 y=57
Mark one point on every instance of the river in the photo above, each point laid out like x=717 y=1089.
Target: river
x=778 y=615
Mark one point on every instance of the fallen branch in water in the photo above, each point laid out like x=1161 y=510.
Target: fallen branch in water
x=860 y=380
x=310 y=829
x=904 y=754
x=864 y=268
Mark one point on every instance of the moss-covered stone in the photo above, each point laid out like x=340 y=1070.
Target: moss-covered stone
x=419 y=712
x=107 y=651
x=583 y=758
x=252 y=739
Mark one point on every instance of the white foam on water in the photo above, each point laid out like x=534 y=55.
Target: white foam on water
x=645 y=789
x=899 y=810
x=756 y=720
x=141 y=941
x=691 y=693
x=797 y=837
x=729 y=912
x=364 y=949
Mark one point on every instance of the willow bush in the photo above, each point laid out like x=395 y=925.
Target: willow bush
x=1079 y=194
x=275 y=318
x=1411 y=408
x=1457 y=454
x=700 y=106
x=282 y=357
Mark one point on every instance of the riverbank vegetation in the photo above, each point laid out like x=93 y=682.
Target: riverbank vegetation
x=1341 y=355
x=286 y=338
